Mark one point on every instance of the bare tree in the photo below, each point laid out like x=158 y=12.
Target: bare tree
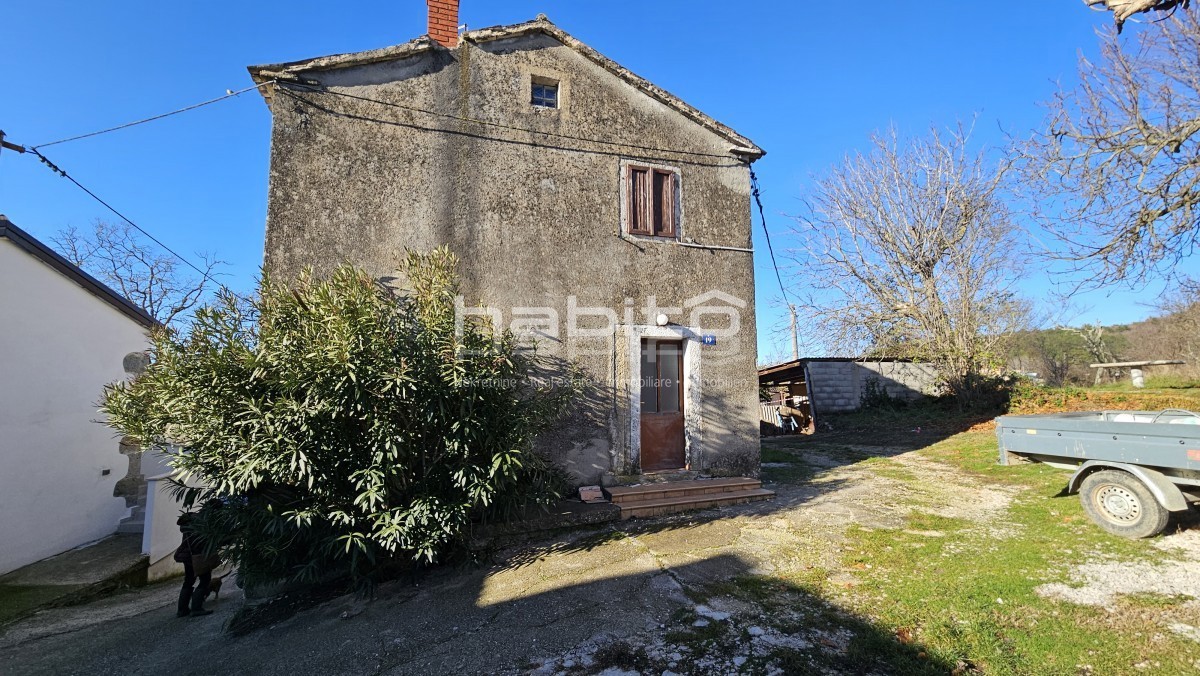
x=1116 y=174
x=1097 y=348
x=1056 y=350
x=1178 y=335
x=150 y=278
x=1123 y=10
x=911 y=250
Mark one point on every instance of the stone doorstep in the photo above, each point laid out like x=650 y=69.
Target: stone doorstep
x=671 y=498
x=674 y=505
x=625 y=494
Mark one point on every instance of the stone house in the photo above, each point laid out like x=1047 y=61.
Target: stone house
x=593 y=212
x=66 y=335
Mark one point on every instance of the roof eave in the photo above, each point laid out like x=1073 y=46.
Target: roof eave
x=291 y=70
x=742 y=146
x=36 y=248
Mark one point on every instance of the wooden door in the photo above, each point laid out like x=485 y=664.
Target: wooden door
x=663 y=445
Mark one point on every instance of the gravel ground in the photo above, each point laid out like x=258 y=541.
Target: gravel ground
x=643 y=597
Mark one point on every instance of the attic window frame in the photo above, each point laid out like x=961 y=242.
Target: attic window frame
x=542 y=102
x=638 y=216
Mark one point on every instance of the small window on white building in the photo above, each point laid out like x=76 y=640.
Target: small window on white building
x=544 y=93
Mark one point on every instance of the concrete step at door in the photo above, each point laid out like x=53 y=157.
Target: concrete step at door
x=659 y=491
x=683 y=503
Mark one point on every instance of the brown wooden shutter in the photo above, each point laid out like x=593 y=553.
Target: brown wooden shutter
x=640 y=218
x=664 y=203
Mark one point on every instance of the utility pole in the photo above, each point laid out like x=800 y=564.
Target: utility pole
x=795 y=336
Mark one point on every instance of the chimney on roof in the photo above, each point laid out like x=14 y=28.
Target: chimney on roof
x=443 y=22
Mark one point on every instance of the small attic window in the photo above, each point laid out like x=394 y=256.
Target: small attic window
x=544 y=93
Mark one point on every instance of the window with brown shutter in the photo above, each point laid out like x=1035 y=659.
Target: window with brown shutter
x=650 y=206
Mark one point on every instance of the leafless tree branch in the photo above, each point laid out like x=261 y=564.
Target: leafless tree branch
x=1115 y=176
x=151 y=279
x=912 y=251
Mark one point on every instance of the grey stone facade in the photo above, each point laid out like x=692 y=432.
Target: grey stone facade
x=419 y=146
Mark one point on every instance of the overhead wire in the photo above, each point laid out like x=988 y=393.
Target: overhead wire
x=501 y=125
x=228 y=94
x=657 y=149
x=757 y=193
x=34 y=149
x=61 y=172
x=754 y=190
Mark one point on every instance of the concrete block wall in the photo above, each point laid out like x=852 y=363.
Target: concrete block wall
x=834 y=386
x=837 y=386
x=902 y=380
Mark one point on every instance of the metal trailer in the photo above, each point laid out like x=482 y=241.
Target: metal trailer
x=1131 y=468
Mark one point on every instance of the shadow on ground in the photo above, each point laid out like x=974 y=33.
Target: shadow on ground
x=718 y=591
x=848 y=438
x=578 y=606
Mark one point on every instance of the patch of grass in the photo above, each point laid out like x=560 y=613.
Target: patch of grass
x=755 y=588
x=886 y=467
x=777 y=455
x=907 y=428
x=794 y=469
x=16 y=600
x=969 y=596
x=1171 y=381
x=1153 y=381
x=1117 y=396
x=622 y=655
x=693 y=637
x=795 y=473
x=795 y=605
x=977 y=453
x=1152 y=600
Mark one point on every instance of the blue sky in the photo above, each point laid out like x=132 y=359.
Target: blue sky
x=807 y=81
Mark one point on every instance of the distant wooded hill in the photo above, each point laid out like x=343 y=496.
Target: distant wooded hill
x=1061 y=355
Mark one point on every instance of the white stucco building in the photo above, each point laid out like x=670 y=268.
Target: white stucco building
x=63 y=336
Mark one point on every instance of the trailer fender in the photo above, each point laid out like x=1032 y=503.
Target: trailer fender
x=1166 y=493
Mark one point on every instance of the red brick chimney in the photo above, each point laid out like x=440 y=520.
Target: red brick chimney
x=443 y=22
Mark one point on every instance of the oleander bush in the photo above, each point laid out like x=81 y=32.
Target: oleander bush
x=344 y=428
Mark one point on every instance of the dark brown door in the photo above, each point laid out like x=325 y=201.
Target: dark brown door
x=662 y=405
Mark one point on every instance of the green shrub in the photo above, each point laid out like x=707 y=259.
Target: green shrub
x=1029 y=397
x=345 y=428
x=875 y=396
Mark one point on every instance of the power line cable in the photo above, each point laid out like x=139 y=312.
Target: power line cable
x=461 y=118
x=58 y=170
x=754 y=190
x=228 y=94
x=64 y=174
x=758 y=200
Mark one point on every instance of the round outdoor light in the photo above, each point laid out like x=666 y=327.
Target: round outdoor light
x=662 y=320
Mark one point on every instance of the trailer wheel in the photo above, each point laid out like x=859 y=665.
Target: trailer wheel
x=1120 y=504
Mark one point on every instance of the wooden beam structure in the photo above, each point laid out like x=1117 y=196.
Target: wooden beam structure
x=1135 y=368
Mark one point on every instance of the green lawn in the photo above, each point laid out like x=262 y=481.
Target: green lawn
x=964 y=596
